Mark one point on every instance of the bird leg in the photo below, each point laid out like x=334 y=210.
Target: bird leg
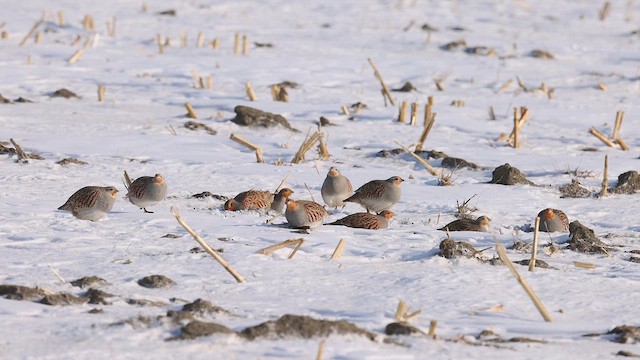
x=147 y=211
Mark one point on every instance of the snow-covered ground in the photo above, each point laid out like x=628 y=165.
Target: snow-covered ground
x=324 y=47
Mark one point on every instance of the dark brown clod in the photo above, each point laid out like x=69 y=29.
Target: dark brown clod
x=401 y=328
x=63 y=299
x=509 y=175
x=304 y=327
x=248 y=116
x=89 y=281
x=64 y=93
x=628 y=183
x=574 y=190
x=195 y=126
x=156 y=282
x=583 y=239
x=19 y=292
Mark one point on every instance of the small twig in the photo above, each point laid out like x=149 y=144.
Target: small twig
x=76 y=56
x=502 y=252
x=57 y=274
x=617 y=125
x=160 y=43
x=191 y=113
x=345 y=110
x=601 y=137
x=425 y=132
x=422 y=161
x=492 y=114
x=320 y=350
x=236 y=44
x=432 y=328
x=505 y=86
x=584 y=265
x=248 y=145
x=310 y=193
x=534 y=251
x=250 y=93
x=278 y=246
x=127 y=180
x=33 y=29
x=207 y=248
x=385 y=89
x=282 y=183
x=22 y=156
x=414 y=114
x=245 y=45
x=305 y=146
x=200 y=41
x=402 y=114
x=605 y=177
x=101 y=92
x=338 y=251
x=516 y=127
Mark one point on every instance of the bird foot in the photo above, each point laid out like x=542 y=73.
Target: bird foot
x=147 y=211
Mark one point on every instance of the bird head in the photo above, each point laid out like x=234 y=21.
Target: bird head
x=548 y=214
x=291 y=205
x=334 y=171
x=484 y=222
x=158 y=179
x=111 y=191
x=387 y=214
x=286 y=192
x=396 y=180
x=230 y=205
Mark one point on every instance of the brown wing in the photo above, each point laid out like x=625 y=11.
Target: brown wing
x=139 y=187
x=562 y=217
x=315 y=211
x=371 y=190
x=460 y=225
x=83 y=198
x=255 y=199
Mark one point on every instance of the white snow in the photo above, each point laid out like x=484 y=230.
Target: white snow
x=324 y=47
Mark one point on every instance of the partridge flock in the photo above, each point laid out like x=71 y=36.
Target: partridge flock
x=377 y=197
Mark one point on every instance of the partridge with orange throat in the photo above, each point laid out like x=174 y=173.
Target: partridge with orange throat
x=146 y=191
x=304 y=214
x=479 y=224
x=91 y=202
x=378 y=195
x=552 y=220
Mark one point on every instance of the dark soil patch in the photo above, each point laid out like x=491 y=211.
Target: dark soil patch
x=145 y=303
x=304 y=327
x=95 y=311
x=196 y=329
x=64 y=93
x=451 y=249
x=583 y=239
x=456 y=163
x=22 y=100
x=401 y=328
x=574 y=190
x=325 y=122
x=539 y=263
x=63 y=299
x=203 y=307
x=89 y=281
x=69 y=161
x=626 y=334
x=634 y=259
x=156 y=282
x=206 y=194
x=196 y=126
x=509 y=175
x=628 y=183
x=407 y=87
x=170 y=236
x=248 y=116
x=19 y=292
x=96 y=296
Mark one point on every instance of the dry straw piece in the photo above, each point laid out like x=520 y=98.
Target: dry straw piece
x=191 y=113
x=385 y=90
x=160 y=43
x=22 y=156
x=339 y=249
x=432 y=328
x=250 y=93
x=414 y=114
x=76 y=56
x=402 y=114
x=200 y=41
x=502 y=252
x=206 y=247
x=248 y=145
x=534 y=250
x=426 y=165
x=101 y=93
x=605 y=177
x=584 y=265
x=236 y=44
x=595 y=132
x=427 y=128
x=306 y=145
x=505 y=86
x=31 y=31
x=281 y=245
x=345 y=110
x=320 y=350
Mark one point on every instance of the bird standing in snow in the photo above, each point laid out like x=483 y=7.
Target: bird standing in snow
x=335 y=188
x=304 y=214
x=91 y=202
x=147 y=191
x=552 y=220
x=378 y=195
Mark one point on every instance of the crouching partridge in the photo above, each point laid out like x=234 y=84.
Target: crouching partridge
x=146 y=191
x=304 y=214
x=91 y=202
x=335 y=188
x=366 y=220
x=479 y=224
x=258 y=199
x=378 y=195
x=552 y=220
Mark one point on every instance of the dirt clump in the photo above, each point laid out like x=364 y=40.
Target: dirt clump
x=197 y=328
x=248 y=116
x=509 y=175
x=156 y=282
x=626 y=334
x=628 y=183
x=457 y=163
x=304 y=327
x=574 y=190
x=89 y=281
x=96 y=296
x=62 y=299
x=64 y=93
x=451 y=249
x=203 y=307
x=583 y=239
x=195 y=126
x=19 y=292
x=401 y=328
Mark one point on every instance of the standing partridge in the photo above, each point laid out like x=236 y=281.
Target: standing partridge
x=147 y=191
x=366 y=220
x=335 y=188
x=91 y=202
x=280 y=199
x=250 y=200
x=304 y=214
x=479 y=224
x=552 y=220
x=378 y=195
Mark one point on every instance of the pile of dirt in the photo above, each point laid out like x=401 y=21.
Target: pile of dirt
x=195 y=126
x=304 y=327
x=628 y=183
x=574 y=190
x=509 y=175
x=583 y=239
x=457 y=163
x=64 y=93
x=626 y=334
x=401 y=328
x=156 y=282
x=203 y=307
x=89 y=281
x=19 y=292
x=248 y=116
x=196 y=329
x=450 y=249
x=63 y=299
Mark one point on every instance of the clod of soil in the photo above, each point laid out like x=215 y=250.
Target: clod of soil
x=481 y=51
x=4 y=100
x=89 y=281
x=539 y=263
x=541 y=54
x=156 y=282
x=195 y=126
x=206 y=194
x=22 y=100
x=628 y=183
x=170 y=12
x=203 y=307
x=583 y=239
x=509 y=175
x=146 y=303
x=456 y=163
x=454 y=45
x=450 y=249
x=287 y=84
x=19 y=292
x=67 y=94
x=325 y=122
x=407 y=87
x=96 y=296
x=634 y=259
x=63 y=299
x=95 y=311
x=401 y=328
x=574 y=190
x=626 y=334
x=304 y=327
x=248 y=116
x=197 y=328
x=69 y=161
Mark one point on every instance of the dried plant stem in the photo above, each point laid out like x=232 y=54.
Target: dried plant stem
x=400 y=310
x=605 y=177
x=284 y=181
x=245 y=45
x=248 y=145
x=584 y=265
x=534 y=250
x=76 y=56
x=414 y=113
x=61 y=21
x=505 y=86
x=190 y=111
x=522 y=114
x=425 y=132
x=516 y=127
x=236 y=44
x=502 y=252
x=385 y=89
x=31 y=31
x=618 y=124
x=604 y=11
x=492 y=114
x=345 y=110
x=320 y=350
x=432 y=328
x=57 y=274
x=305 y=146
x=338 y=251
x=402 y=114
x=206 y=247
x=310 y=193
x=22 y=156
x=422 y=161
x=281 y=245
x=295 y=249
x=250 y=93
x=101 y=92
x=183 y=39
x=127 y=180
x=160 y=43
x=200 y=41
x=595 y=132
x=622 y=144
